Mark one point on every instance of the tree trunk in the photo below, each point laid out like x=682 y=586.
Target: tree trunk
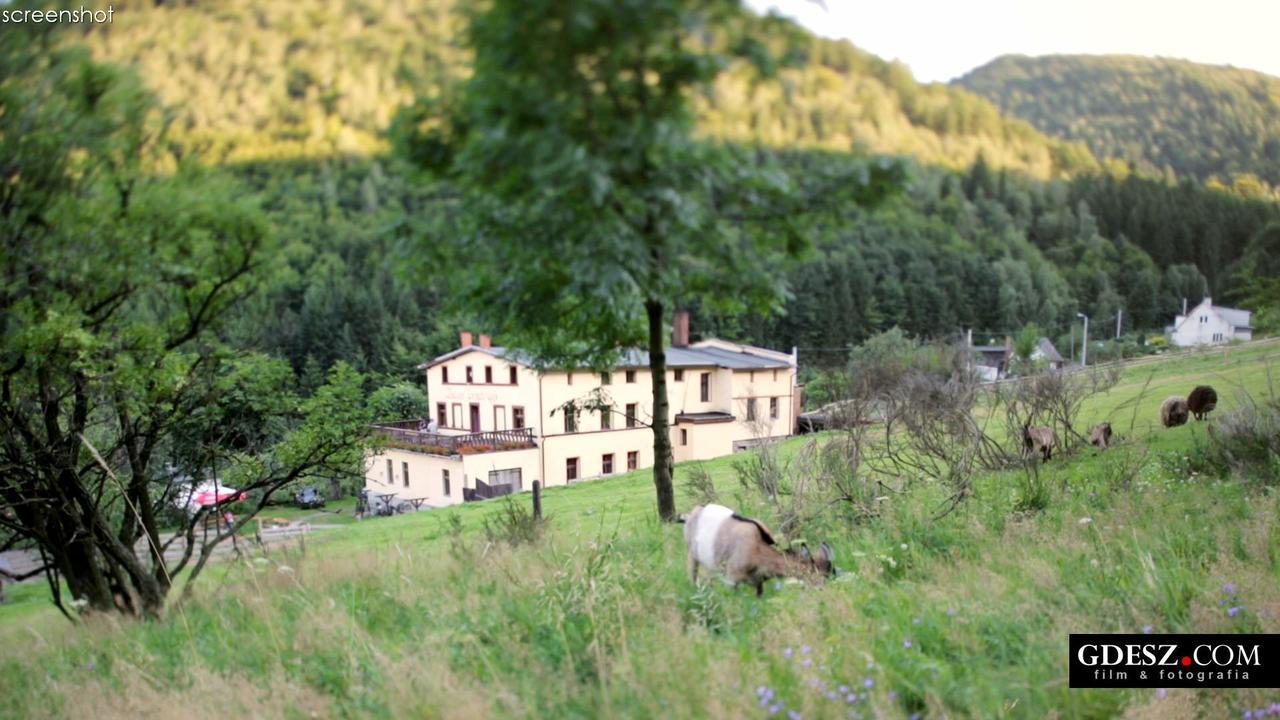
x=662 y=460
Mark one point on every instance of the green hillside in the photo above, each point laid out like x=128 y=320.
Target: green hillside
x=270 y=80
x=1161 y=114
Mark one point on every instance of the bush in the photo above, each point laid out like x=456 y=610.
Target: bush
x=402 y=401
x=513 y=524
x=1247 y=440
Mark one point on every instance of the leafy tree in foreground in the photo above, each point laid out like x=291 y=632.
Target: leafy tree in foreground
x=117 y=394
x=589 y=211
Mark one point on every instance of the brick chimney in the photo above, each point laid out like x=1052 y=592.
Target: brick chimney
x=680 y=329
x=464 y=339
x=486 y=341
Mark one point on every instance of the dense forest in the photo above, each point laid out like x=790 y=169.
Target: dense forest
x=999 y=226
x=1167 y=117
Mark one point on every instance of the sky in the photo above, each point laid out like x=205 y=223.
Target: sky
x=942 y=39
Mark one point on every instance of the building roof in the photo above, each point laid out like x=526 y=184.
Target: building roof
x=677 y=357
x=1049 y=352
x=699 y=418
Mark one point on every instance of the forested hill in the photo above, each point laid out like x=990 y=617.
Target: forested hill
x=1161 y=114
x=273 y=79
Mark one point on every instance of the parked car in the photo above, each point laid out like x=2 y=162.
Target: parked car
x=309 y=498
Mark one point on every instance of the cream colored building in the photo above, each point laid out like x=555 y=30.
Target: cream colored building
x=497 y=423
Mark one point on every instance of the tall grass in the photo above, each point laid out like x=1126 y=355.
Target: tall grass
x=427 y=615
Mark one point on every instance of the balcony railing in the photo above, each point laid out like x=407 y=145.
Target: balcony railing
x=405 y=434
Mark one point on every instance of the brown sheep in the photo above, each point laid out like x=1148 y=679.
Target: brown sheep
x=1100 y=435
x=1038 y=440
x=1202 y=400
x=1173 y=412
x=743 y=550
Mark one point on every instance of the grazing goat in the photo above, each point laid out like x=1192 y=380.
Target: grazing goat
x=743 y=550
x=1100 y=435
x=1038 y=440
x=1202 y=400
x=1173 y=412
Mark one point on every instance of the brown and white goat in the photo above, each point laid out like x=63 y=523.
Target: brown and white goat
x=1038 y=440
x=743 y=550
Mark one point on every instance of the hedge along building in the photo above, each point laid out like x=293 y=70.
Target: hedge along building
x=498 y=423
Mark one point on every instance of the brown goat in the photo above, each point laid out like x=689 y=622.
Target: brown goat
x=1202 y=400
x=1038 y=440
x=1173 y=412
x=1100 y=435
x=743 y=550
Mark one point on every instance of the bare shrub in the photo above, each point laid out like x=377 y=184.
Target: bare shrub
x=1247 y=439
x=700 y=486
x=513 y=524
x=1052 y=398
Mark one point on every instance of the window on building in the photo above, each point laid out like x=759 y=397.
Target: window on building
x=444 y=373
x=488 y=375
x=457 y=416
x=512 y=372
x=517 y=417
x=631 y=415
x=775 y=374
x=679 y=375
x=751 y=375
x=684 y=436
x=606 y=464
x=606 y=419
x=631 y=376
x=606 y=378
x=751 y=409
x=705 y=388
x=773 y=408
x=571 y=469
x=570 y=421
x=404 y=470
x=444 y=475
x=469 y=378
x=391 y=473
x=442 y=415
x=499 y=417
x=633 y=460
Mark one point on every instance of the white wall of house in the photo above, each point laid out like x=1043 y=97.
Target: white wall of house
x=1207 y=324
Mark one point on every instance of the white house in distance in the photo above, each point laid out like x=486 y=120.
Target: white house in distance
x=498 y=423
x=1209 y=324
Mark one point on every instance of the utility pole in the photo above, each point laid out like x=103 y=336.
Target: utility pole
x=1073 y=342
x=1084 y=342
x=1118 y=314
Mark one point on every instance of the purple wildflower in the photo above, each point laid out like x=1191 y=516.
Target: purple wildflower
x=892 y=696
x=907 y=643
x=760 y=690
x=830 y=695
x=844 y=689
x=1229 y=588
x=805 y=649
x=1161 y=693
x=764 y=702
x=951 y=612
x=850 y=698
x=807 y=662
x=1246 y=715
x=1147 y=629
x=1233 y=610
x=868 y=683
x=775 y=708
x=793 y=715
x=787 y=652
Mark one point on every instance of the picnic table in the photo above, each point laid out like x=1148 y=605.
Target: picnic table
x=416 y=502
x=386 y=508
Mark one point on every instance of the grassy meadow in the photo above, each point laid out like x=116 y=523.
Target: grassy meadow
x=966 y=616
